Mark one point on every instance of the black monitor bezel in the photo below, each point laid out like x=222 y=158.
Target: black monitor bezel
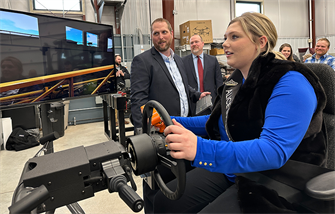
x=8 y=107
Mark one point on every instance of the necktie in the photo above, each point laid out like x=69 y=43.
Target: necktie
x=201 y=74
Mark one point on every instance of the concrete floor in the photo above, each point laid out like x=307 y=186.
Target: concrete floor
x=12 y=163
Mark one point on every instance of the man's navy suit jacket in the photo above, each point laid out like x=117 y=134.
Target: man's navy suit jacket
x=212 y=75
x=151 y=80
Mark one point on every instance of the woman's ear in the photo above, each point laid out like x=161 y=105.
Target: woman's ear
x=263 y=40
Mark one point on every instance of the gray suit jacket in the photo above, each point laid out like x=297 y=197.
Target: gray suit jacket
x=151 y=80
x=212 y=75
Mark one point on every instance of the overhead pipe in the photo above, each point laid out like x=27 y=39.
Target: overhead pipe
x=119 y=30
x=117 y=21
x=168 y=8
x=232 y=9
x=311 y=16
x=118 y=16
x=313 y=24
x=150 y=42
x=95 y=8
x=122 y=45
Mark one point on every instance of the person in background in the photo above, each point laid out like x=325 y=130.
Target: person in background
x=306 y=56
x=202 y=70
x=159 y=74
x=321 y=56
x=260 y=120
x=286 y=50
x=32 y=73
x=11 y=69
x=122 y=73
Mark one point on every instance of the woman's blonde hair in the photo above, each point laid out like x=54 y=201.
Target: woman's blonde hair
x=279 y=55
x=256 y=25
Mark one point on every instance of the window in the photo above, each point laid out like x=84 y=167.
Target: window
x=248 y=6
x=57 y=6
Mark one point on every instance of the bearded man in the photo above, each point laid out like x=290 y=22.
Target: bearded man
x=321 y=49
x=159 y=74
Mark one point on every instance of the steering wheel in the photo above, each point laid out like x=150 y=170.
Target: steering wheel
x=149 y=151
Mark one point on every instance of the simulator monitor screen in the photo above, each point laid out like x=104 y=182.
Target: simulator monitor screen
x=92 y=40
x=110 y=45
x=74 y=35
x=49 y=59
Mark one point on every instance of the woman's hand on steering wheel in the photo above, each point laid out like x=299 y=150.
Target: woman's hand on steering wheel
x=181 y=141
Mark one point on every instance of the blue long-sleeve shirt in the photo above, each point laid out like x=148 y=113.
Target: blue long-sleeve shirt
x=287 y=117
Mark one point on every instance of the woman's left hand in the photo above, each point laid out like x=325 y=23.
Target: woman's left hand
x=181 y=141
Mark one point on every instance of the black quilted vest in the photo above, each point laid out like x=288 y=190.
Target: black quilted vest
x=248 y=102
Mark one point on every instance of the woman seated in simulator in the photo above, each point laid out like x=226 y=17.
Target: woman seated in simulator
x=259 y=121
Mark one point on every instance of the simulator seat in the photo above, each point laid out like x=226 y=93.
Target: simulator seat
x=327 y=78
x=313 y=192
